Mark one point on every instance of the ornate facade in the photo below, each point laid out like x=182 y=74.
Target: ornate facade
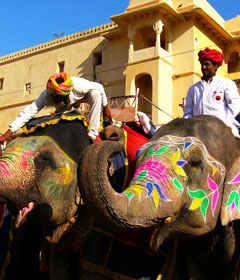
x=152 y=46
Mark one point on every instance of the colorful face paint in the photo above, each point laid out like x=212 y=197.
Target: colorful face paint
x=233 y=201
x=160 y=174
x=18 y=163
x=18 y=157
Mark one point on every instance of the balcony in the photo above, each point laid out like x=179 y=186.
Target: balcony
x=149 y=54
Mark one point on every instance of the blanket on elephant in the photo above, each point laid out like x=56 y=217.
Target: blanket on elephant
x=124 y=163
x=121 y=255
x=41 y=122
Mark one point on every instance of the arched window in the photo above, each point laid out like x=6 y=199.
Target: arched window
x=144 y=83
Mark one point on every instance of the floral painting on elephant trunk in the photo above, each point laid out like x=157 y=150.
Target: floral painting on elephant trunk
x=161 y=174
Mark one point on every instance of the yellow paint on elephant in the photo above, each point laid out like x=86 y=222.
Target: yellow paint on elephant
x=196 y=203
x=179 y=170
x=155 y=196
x=176 y=156
x=215 y=170
x=135 y=188
x=66 y=173
x=15 y=148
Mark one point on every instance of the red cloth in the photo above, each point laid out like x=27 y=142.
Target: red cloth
x=134 y=141
x=213 y=55
x=98 y=138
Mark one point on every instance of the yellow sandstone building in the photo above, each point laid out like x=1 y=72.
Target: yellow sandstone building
x=152 y=46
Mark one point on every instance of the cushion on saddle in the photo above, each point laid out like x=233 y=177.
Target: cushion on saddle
x=35 y=123
x=134 y=141
x=124 y=162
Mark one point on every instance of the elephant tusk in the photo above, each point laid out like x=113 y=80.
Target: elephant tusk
x=168 y=220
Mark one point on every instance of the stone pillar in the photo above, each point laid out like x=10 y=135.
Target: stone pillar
x=131 y=35
x=158 y=27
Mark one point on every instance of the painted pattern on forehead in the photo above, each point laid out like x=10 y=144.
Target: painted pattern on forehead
x=203 y=200
x=23 y=151
x=156 y=162
x=61 y=179
x=233 y=203
x=154 y=173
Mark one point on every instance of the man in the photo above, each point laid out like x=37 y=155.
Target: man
x=64 y=92
x=213 y=95
x=143 y=125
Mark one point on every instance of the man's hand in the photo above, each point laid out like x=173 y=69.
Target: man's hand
x=107 y=114
x=5 y=136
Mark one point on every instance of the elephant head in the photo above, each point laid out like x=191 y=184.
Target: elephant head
x=37 y=170
x=38 y=173
x=177 y=186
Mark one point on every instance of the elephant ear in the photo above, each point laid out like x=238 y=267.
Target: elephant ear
x=231 y=203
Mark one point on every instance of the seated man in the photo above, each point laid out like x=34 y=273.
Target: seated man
x=143 y=125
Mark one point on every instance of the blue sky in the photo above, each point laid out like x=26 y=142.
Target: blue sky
x=26 y=23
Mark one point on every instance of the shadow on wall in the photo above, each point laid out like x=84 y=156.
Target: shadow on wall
x=87 y=68
x=106 y=64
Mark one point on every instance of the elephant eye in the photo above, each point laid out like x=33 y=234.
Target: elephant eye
x=196 y=162
x=44 y=160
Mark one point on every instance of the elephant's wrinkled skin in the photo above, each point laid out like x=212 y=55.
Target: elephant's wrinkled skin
x=38 y=173
x=182 y=185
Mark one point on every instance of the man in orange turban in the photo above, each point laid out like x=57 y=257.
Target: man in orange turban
x=213 y=95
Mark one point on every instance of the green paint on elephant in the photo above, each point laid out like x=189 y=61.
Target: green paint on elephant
x=177 y=184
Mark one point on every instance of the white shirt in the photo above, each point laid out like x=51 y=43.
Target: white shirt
x=147 y=125
x=81 y=87
x=219 y=97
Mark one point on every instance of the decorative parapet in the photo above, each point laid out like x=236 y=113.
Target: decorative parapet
x=233 y=25
x=60 y=41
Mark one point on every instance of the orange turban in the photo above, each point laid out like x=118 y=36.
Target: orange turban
x=213 y=55
x=60 y=89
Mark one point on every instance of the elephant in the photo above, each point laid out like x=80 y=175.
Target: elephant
x=185 y=187
x=38 y=176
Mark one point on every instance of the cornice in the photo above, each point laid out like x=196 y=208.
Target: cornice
x=158 y=8
x=207 y=23
x=164 y=11
x=59 y=42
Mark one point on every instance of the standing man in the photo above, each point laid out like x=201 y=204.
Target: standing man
x=64 y=92
x=213 y=95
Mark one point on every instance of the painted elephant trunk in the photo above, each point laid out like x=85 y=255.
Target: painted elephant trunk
x=117 y=209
